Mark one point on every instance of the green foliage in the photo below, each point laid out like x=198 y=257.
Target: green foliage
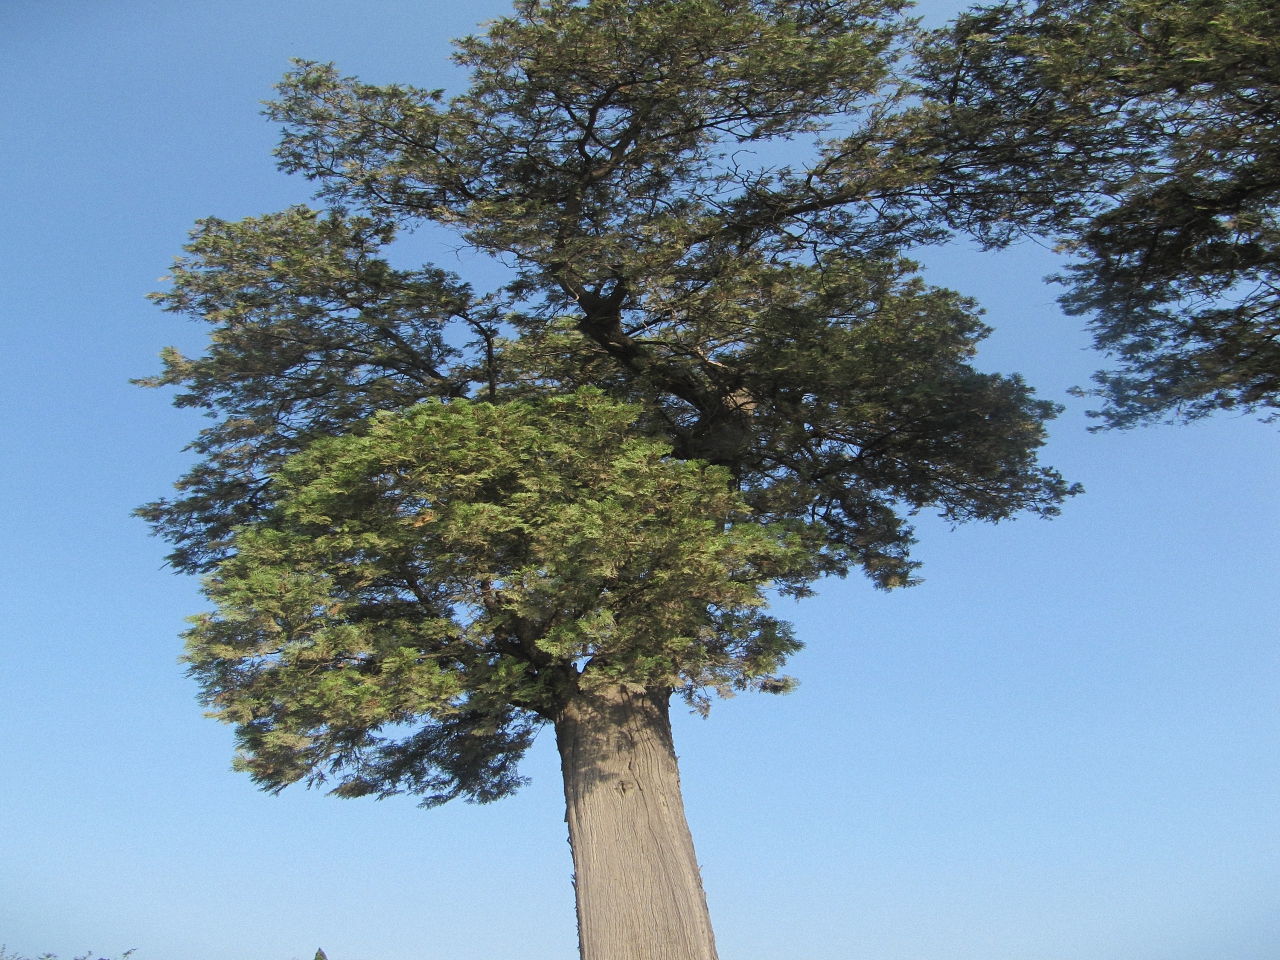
x=312 y=332
x=456 y=572
x=1143 y=133
x=590 y=143
x=763 y=318
x=409 y=582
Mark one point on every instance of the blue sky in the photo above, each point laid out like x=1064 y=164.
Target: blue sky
x=1061 y=746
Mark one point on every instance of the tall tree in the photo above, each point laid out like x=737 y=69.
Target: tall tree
x=1144 y=135
x=706 y=375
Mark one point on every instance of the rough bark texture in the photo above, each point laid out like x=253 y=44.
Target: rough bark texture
x=638 y=887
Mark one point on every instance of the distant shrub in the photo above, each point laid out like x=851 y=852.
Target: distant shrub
x=6 y=955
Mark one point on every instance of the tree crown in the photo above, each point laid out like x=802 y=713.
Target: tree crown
x=772 y=390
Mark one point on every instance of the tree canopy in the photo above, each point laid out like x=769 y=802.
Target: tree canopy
x=433 y=519
x=1142 y=135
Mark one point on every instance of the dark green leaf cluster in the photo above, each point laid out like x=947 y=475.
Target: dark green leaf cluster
x=426 y=592
x=1145 y=135
x=594 y=143
x=312 y=332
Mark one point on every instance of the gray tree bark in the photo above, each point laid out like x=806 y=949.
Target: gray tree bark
x=636 y=877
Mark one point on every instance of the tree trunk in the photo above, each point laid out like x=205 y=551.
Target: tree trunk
x=636 y=877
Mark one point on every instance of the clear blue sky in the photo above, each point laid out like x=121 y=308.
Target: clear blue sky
x=1062 y=746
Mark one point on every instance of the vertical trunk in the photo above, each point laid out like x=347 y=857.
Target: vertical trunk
x=636 y=877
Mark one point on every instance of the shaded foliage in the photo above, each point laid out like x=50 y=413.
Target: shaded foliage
x=1145 y=136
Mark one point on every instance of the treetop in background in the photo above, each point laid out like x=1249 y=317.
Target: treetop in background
x=1144 y=135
